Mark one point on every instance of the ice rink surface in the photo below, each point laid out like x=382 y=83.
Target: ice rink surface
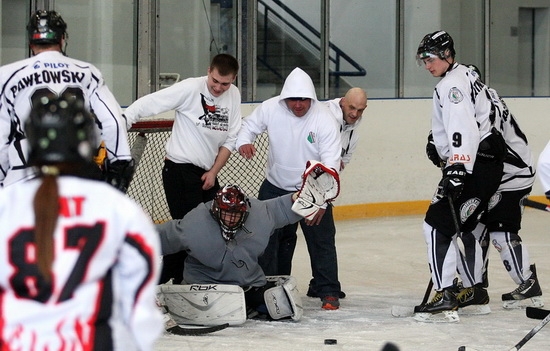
x=382 y=263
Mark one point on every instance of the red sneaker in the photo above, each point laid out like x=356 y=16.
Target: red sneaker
x=330 y=303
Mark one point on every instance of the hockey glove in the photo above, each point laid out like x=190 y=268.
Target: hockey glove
x=431 y=151
x=119 y=174
x=320 y=184
x=547 y=194
x=452 y=183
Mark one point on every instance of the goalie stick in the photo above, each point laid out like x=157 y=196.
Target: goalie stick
x=523 y=341
x=536 y=204
x=179 y=330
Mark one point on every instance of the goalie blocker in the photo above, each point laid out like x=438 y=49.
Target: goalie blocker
x=320 y=185
x=215 y=304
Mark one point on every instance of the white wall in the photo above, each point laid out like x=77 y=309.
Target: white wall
x=390 y=164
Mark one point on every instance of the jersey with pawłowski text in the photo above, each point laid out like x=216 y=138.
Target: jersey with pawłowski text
x=50 y=73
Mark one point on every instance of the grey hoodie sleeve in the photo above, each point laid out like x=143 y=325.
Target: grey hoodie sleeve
x=171 y=236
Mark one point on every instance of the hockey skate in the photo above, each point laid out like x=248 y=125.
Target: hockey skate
x=442 y=309
x=526 y=294
x=473 y=301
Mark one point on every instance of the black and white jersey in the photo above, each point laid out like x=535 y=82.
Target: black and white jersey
x=519 y=171
x=51 y=74
x=461 y=116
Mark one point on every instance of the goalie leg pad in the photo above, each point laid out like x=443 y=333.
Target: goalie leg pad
x=283 y=300
x=203 y=304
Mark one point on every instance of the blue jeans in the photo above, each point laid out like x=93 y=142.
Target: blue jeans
x=320 y=241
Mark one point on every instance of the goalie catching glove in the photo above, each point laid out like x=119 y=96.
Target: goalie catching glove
x=320 y=185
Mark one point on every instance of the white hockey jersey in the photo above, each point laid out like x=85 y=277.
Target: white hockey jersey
x=52 y=73
x=461 y=116
x=104 y=274
x=519 y=171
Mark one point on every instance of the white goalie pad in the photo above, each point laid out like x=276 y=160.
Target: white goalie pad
x=203 y=304
x=320 y=184
x=283 y=300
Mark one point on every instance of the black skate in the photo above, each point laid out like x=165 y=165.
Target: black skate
x=473 y=300
x=442 y=308
x=527 y=293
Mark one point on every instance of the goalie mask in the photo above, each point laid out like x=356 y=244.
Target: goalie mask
x=59 y=130
x=230 y=210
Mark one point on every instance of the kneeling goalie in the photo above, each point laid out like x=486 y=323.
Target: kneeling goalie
x=223 y=282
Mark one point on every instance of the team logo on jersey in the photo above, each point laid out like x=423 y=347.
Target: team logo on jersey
x=494 y=200
x=468 y=208
x=214 y=117
x=455 y=95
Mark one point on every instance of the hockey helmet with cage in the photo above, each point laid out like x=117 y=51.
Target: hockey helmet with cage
x=46 y=28
x=60 y=130
x=437 y=44
x=230 y=209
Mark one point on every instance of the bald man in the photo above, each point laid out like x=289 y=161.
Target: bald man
x=348 y=111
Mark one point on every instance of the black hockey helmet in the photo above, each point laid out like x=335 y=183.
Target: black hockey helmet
x=439 y=44
x=60 y=130
x=46 y=27
x=230 y=209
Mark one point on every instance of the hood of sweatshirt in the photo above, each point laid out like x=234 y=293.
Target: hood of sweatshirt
x=298 y=84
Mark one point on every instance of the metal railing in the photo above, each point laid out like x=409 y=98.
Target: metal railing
x=336 y=55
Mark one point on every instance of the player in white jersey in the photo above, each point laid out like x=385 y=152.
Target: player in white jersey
x=473 y=150
x=79 y=260
x=501 y=223
x=543 y=169
x=207 y=120
x=49 y=73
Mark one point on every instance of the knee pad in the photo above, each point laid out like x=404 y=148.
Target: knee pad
x=283 y=299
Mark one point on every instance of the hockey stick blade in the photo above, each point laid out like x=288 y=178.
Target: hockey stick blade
x=536 y=204
x=466 y=348
x=178 y=330
x=536 y=313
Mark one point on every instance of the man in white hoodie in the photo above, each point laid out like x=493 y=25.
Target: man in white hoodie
x=299 y=128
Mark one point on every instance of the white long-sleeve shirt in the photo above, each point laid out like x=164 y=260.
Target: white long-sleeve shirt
x=46 y=74
x=349 y=136
x=293 y=140
x=203 y=123
x=104 y=274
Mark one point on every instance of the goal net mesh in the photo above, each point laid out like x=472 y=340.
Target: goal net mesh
x=146 y=187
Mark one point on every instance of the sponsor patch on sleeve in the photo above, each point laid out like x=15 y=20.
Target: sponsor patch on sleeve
x=455 y=95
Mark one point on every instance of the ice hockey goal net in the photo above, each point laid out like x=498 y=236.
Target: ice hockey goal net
x=146 y=187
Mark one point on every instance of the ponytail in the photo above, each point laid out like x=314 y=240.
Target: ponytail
x=46 y=212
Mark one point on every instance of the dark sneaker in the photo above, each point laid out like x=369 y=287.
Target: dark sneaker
x=473 y=300
x=330 y=303
x=311 y=292
x=529 y=289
